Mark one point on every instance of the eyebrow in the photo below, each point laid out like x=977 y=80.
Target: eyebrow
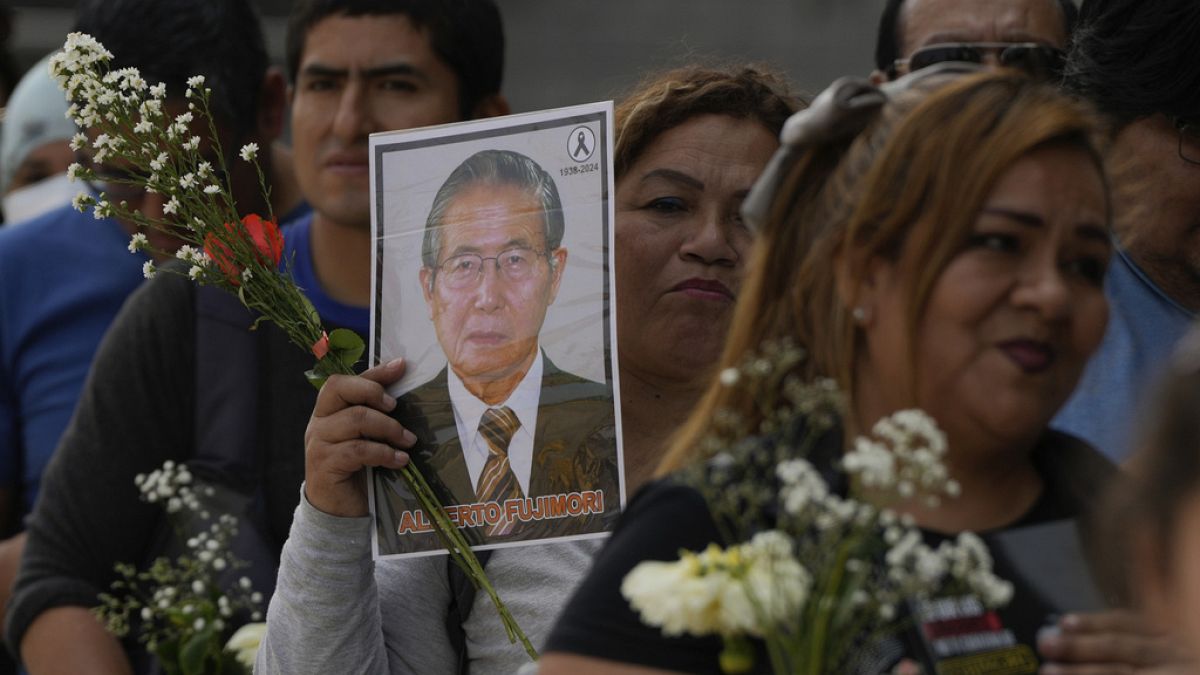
x=507 y=246
x=1016 y=37
x=1086 y=230
x=385 y=70
x=675 y=177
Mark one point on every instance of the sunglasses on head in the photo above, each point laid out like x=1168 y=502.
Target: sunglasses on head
x=1034 y=58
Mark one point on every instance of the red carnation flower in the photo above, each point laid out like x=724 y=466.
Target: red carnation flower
x=265 y=236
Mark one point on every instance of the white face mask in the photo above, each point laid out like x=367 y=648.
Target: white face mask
x=34 y=200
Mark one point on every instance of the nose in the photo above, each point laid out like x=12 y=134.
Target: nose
x=488 y=293
x=709 y=240
x=1043 y=288
x=351 y=122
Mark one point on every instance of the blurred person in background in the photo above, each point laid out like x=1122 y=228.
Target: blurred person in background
x=35 y=147
x=1028 y=34
x=1137 y=63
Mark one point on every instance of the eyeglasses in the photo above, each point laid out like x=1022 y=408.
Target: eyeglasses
x=1189 y=139
x=1039 y=60
x=465 y=270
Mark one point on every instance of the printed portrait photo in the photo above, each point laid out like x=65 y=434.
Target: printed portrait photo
x=493 y=277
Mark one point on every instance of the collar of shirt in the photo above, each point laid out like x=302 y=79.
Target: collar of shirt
x=523 y=401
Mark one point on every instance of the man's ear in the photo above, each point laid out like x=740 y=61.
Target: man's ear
x=559 y=256
x=491 y=106
x=273 y=103
x=426 y=277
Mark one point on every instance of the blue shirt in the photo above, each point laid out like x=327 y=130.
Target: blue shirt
x=1143 y=327
x=63 y=277
x=297 y=251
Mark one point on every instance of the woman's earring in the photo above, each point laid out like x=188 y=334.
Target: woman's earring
x=860 y=315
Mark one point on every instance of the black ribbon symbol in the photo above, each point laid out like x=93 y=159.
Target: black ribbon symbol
x=580 y=145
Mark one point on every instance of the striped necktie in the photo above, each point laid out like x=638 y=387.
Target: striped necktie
x=497 y=482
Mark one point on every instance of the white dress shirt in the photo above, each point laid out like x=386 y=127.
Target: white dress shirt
x=523 y=401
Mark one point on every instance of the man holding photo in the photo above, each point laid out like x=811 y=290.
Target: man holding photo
x=501 y=422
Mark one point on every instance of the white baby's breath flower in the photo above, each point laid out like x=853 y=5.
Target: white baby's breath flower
x=249 y=151
x=185 y=253
x=78 y=141
x=158 y=91
x=192 y=143
x=148 y=269
x=195 y=81
x=138 y=242
x=247 y=275
x=75 y=171
x=729 y=376
x=143 y=127
x=172 y=206
x=187 y=181
x=81 y=201
x=212 y=189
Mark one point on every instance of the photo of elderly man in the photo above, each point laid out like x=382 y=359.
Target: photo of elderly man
x=520 y=448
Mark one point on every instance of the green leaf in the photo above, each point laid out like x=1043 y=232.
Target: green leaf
x=346 y=346
x=195 y=653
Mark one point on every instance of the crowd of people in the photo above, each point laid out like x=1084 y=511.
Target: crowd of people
x=998 y=225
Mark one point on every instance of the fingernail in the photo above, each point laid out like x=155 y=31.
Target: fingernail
x=395 y=362
x=1048 y=637
x=409 y=438
x=401 y=458
x=1070 y=621
x=388 y=402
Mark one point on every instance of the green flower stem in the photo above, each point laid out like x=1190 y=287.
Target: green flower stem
x=455 y=543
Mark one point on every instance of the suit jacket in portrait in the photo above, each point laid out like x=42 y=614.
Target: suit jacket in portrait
x=574 y=449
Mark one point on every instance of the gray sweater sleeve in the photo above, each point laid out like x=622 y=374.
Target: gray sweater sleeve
x=335 y=612
x=325 y=614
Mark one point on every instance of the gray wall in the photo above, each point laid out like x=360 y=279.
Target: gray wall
x=562 y=52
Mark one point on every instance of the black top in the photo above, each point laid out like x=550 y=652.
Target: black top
x=137 y=410
x=666 y=517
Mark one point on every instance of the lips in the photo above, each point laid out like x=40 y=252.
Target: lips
x=704 y=289
x=1031 y=356
x=348 y=162
x=487 y=337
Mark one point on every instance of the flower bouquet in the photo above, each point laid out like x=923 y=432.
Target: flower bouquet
x=159 y=154
x=178 y=606
x=816 y=571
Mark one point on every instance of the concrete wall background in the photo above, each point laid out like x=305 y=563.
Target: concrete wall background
x=562 y=52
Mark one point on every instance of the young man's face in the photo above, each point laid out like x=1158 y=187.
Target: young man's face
x=359 y=75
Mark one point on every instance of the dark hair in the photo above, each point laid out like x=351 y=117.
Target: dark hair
x=466 y=35
x=887 y=42
x=667 y=100
x=495 y=167
x=172 y=40
x=1134 y=58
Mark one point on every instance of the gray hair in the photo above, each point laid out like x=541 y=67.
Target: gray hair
x=495 y=167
